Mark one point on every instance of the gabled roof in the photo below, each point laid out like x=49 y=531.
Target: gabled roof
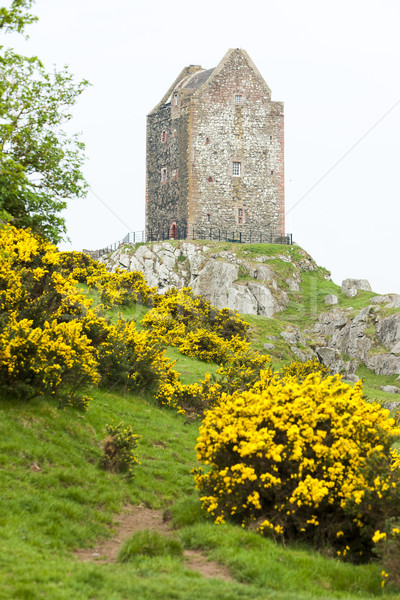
x=252 y=66
x=194 y=77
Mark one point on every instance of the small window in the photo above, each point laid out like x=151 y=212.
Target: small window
x=175 y=174
x=240 y=216
x=236 y=169
x=272 y=172
x=240 y=212
x=210 y=179
x=208 y=217
x=207 y=140
x=163 y=175
x=238 y=99
x=164 y=137
x=270 y=137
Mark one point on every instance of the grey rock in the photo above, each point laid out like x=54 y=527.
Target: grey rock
x=388 y=330
x=396 y=348
x=330 y=357
x=391 y=389
x=391 y=300
x=302 y=356
x=391 y=405
x=331 y=299
x=214 y=281
x=267 y=304
x=289 y=336
x=269 y=346
x=293 y=284
x=351 y=286
x=383 y=364
x=352 y=377
x=124 y=261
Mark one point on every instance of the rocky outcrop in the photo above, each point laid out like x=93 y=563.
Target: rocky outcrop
x=367 y=337
x=248 y=285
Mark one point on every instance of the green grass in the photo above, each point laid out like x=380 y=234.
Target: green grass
x=191 y=369
x=55 y=498
x=268 y=565
x=149 y=543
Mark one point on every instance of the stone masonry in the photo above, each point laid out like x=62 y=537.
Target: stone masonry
x=215 y=153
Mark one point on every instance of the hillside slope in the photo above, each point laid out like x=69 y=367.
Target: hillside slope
x=284 y=283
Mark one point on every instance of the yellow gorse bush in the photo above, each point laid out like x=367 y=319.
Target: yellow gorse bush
x=307 y=459
x=52 y=341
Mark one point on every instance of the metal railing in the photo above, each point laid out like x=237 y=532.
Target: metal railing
x=213 y=234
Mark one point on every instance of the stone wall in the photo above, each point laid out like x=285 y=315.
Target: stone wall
x=206 y=132
x=250 y=133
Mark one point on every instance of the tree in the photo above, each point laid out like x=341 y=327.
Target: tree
x=40 y=165
x=16 y=17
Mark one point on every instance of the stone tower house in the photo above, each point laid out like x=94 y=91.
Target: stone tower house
x=215 y=155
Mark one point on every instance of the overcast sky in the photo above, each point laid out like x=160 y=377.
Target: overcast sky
x=335 y=65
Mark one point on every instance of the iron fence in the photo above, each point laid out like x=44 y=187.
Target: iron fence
x=213 y=234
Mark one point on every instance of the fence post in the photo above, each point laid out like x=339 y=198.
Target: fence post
x=240 y=236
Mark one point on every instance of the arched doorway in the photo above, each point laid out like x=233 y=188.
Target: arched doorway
x=173 y=231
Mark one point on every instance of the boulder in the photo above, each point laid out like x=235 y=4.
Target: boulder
x=391 y=389
x=391 y=405
x=383 y=364
x=330 y=357
x=289 y=336
x=269 y=346
x=388 y=330
x=352 y=377
x=391 y=300
x=349 y=285
x=331 y=299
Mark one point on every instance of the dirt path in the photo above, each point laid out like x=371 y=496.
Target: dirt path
x=138 y=518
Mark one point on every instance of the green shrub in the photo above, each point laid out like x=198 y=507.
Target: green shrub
x=119 y=449
x=149 y=543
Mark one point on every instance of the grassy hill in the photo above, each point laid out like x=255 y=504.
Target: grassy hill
x=56 y=499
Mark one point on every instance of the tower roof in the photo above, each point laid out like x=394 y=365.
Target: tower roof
x=194 y=77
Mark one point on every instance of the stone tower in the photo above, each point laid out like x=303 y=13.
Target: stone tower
x=215 y=155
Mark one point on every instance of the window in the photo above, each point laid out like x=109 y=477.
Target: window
x=207 y=140
x=238 y=99
x=163 y=175
x=272 y=172
x=175 y=174
x=236 y=169
x=210 y=179
x=240 y=216
x=164 y=137
x=208 y=217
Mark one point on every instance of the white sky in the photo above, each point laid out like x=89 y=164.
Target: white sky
x=335 y=65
